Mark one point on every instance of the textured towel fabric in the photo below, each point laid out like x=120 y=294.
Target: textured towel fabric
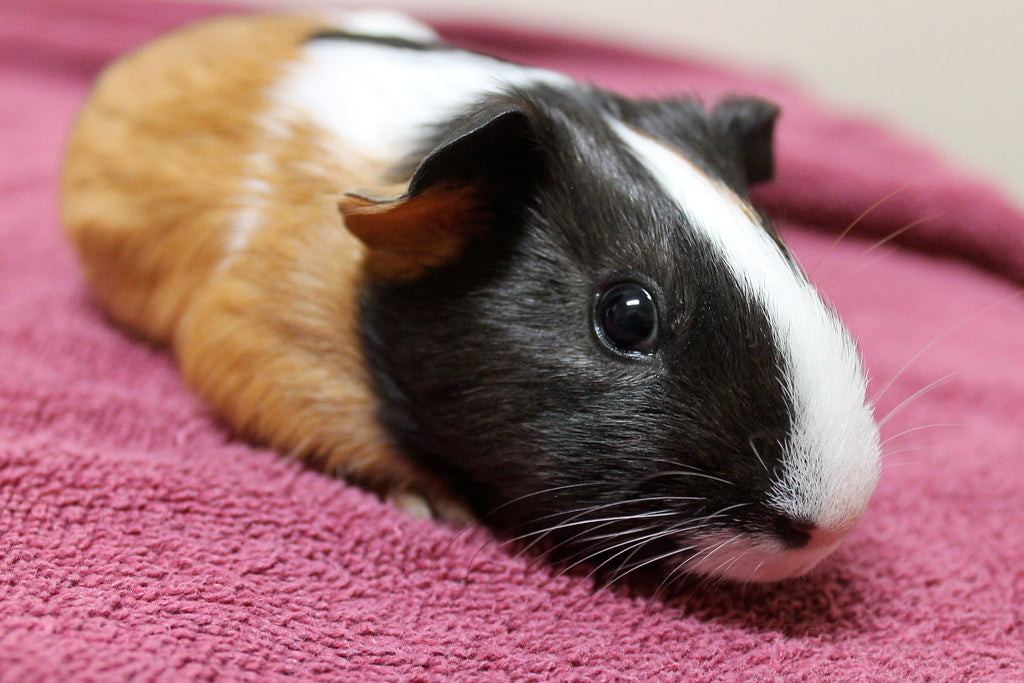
x=140 y=541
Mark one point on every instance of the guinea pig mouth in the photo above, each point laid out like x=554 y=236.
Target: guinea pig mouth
x=746 y=558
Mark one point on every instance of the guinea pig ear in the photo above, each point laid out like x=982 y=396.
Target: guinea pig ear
x=410 y=233
x=751 y=123
x=480 y=167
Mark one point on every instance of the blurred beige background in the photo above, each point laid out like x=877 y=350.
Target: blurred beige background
x=947 y=72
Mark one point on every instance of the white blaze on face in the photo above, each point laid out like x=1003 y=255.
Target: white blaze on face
x=830 y=466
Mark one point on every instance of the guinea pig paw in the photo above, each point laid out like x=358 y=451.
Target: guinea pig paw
x=436 y=506
x=413 y=504
x=452 y=511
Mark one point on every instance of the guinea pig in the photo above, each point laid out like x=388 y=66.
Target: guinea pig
x=463 y=282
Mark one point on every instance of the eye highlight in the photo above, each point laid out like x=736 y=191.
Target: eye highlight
x=626 y=319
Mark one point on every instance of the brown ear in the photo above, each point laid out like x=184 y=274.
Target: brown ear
x=477 y=176
x=409 y=234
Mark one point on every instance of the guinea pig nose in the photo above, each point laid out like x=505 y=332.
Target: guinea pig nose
x=795 y=533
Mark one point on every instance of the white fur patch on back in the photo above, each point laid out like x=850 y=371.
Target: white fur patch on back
x=380 y=101
x=375 y=102
x=830 y=467
x=384 y=23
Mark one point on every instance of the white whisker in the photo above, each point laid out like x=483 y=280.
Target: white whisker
x=937 y=339
x=662 y=533
x=942 y=380
x=853 y=270
x=758 y=455
x=917 y=429
x=856 y=221
x=693 y=471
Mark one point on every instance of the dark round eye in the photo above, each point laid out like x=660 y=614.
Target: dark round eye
x=627 y=319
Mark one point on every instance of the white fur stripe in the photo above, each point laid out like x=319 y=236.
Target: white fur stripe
x=831 y=465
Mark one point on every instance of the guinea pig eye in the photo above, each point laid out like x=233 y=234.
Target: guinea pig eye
x=627 y=319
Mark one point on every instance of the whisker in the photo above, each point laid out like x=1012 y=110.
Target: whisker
x=857 y=266
x=503 y=543
x=675 y=573
x=587 y=536
x=729 y=564
x=908 y=449
x=591 y=508
x=714 y=549
x=613 y=535
x=575 y=521
x=887 y=462
x=710 y=576
x=640 y=542
x=834 y=284
x=681 y=567
x=941 y=336
x=690 y=469
x=758 y=455
x=578 y=522
x=630 y=543
x=683 y=473
x=582 y=536
x=886 y=466
x=542 y=492
x=922 y=391
x=647 y=562
x=625 y=561
x=575 y=514
x=626 y=568
x=862 y=216
x=473 y=527
x=917 y=429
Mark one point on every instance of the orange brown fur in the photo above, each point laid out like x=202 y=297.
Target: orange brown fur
x=268 y=335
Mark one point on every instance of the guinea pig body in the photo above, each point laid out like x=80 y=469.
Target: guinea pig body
x=435 y=271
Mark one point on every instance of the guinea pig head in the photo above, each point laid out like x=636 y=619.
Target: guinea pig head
x=575 y=314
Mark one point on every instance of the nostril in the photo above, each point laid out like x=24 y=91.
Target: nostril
x=795 y=533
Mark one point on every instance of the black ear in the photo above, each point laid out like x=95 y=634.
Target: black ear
x=751 y=123
x=478 y=172
x=484 y=150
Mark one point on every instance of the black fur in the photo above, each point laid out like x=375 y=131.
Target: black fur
x=490 y=370
x=749 y=124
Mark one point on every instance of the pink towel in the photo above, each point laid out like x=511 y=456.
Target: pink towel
x=139 y=540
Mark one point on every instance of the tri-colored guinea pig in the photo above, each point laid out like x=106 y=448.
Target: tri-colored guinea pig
x=460 y=281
